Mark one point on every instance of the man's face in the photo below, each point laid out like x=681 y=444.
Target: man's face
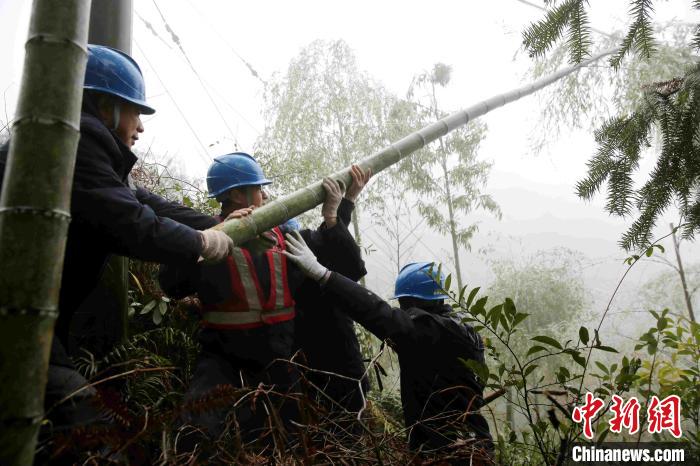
x=129 y=124
x=248 y=196
x=257 y=195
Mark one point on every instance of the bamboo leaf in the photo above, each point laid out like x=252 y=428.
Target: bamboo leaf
x=148 y=307
x=547 y=340
x=609 y=349
x=535 y=349
x=529 y=369
x=519 y=317
x=472 y=294
x=602 y=367
x=448 y=282
x=583 y=335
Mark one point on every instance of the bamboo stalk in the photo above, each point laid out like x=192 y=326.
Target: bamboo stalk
x=34 y=217
x=298 y=202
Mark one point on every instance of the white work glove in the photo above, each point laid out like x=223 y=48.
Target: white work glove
x=334 y=194
x=216 y=245
x=298 y=252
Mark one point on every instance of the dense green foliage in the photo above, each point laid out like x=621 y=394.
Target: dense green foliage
x=674 y=107
x=671 y=369
x=667 y=113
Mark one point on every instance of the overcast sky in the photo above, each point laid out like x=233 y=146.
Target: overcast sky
x=393 y=41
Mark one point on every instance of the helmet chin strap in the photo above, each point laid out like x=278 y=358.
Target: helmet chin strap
x=116 y=115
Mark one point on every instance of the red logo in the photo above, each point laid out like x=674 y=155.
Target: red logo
x=665 y=415
x=662 y=415
x=624 y=415
x=586 y=413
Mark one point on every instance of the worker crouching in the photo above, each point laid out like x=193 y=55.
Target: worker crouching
x=247 y=318
x=440 y=396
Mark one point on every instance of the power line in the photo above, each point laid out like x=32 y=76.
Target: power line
x=150 y=27
x=204 y=156
x=225 y=41
x=176 y=39
x=245 y=120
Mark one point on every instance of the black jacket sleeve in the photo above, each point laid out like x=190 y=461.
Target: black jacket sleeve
x=172 y=210
x=345 y=210
x=103 y=203
x=375 y=314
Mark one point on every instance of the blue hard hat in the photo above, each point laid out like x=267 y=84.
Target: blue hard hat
x=416 y=281
x=113 y=72
x=290 y=225
x=233 y=171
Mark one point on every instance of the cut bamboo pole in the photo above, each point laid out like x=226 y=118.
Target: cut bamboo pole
x=298 y=202
x=34 y=217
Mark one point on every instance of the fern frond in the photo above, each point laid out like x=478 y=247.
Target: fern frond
x=539 y=37
x=579 y=40
x=640 y=36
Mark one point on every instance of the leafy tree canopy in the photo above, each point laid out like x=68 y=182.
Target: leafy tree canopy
x=658 y=102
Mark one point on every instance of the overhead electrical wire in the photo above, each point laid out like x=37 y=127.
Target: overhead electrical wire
x=225 y=41
x=223 y=98
x=205 y=156
x=176 y=39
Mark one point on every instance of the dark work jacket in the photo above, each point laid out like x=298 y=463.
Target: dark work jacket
x=108 y=217
x=434 y=382
x=326 y=335
x=253 y=349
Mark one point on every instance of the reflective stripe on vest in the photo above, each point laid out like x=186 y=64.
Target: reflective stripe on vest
x=249 y=308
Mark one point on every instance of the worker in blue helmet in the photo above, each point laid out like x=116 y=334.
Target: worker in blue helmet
x=248 y=304
x=439 y=394
x=110 y=215
x=290 y=225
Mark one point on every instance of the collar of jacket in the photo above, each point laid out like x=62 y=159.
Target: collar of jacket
x=122 y=158
x=443 y=310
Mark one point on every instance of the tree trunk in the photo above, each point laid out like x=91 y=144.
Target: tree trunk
x=448 y=199
x=451 y=215
x=681 y=272
x=301 y=200
x=34 y=216
x=111 y=24
x=101 y=321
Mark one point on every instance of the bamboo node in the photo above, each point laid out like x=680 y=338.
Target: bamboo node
x=54 y=39
x=28 y=311
x=45 y=120
x=57 y=214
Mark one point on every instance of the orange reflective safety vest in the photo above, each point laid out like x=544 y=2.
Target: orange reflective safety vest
x=248 y=307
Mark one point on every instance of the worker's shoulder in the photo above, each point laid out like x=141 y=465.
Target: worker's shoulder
x=93 y=130
x=445 y=322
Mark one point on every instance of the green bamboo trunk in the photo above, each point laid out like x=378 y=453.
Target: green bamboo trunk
x=102 y=320
x=304 y=199
x=34 y=216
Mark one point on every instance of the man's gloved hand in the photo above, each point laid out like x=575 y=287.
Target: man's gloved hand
x=360 y=178
x=216 y=245
x=240 y=213
x=298 y=252
x=334 y=194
